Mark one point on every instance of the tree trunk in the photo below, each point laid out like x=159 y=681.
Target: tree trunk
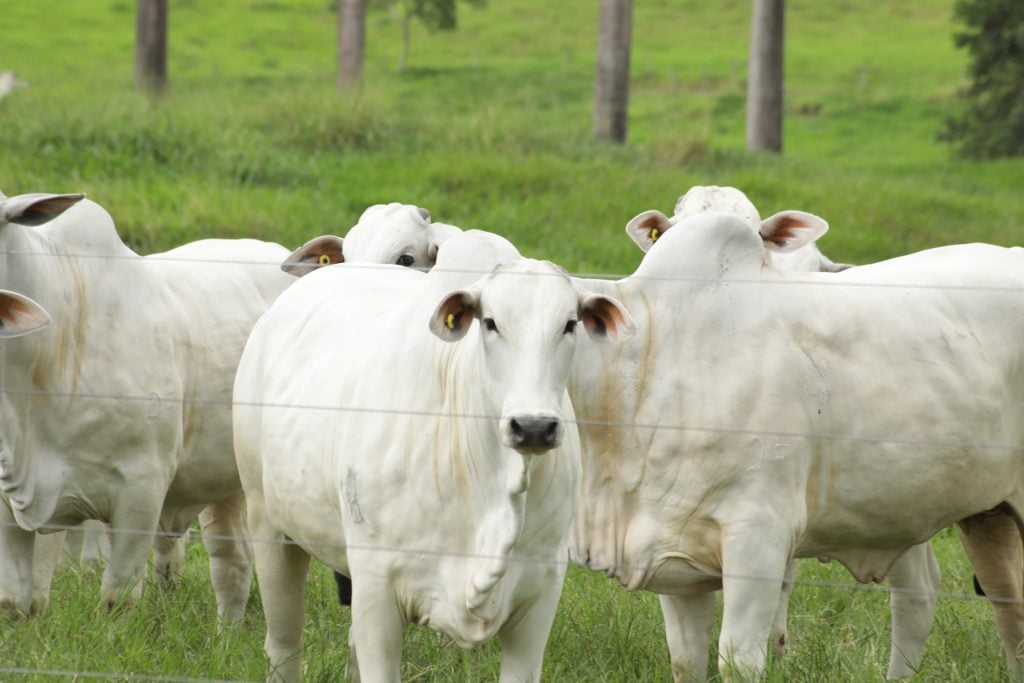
x=151 y=45
x=764 y=80
x=351 y=42
x=611 y=84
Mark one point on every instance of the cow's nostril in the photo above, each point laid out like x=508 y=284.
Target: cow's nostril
x=552 y=432
x=533 y=433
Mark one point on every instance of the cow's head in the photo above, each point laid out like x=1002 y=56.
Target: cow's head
x=20 y=315
x=782 y=233
x=399 y=234
x=528 y=312
x=35 y=209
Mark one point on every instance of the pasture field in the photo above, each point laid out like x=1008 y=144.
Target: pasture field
x=489 y=128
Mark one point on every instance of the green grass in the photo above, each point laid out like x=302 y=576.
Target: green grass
x=489 y=128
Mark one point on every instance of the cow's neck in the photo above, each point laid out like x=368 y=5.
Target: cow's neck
x=491 y=478
x=38 y=372
x=608 y=386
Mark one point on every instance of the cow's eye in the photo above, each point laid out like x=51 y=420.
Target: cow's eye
x=406 y=260
x=489 y=324
x=570 y=327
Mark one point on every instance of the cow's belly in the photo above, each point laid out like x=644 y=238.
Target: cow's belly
x=899 y=497
x=682 y=576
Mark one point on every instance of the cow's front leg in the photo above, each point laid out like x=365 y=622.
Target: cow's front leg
x=375 y=638
x=17 y=548
x=754 y=561
x=914 y=580
x=688 y=622
x=281 y=568
x=133 y=524
x=525 y=635
x=224 y=536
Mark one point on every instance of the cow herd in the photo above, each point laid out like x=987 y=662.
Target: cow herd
x=446 y=424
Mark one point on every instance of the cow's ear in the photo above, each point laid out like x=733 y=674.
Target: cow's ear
x=454 y=315
x=438 y=233
x=36 y=209
x=604 y=318
x=20 y=315
x=787 y=231
x=318 y=252
x=646 y=228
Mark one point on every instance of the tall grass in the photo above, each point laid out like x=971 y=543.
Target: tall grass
x=489 y=128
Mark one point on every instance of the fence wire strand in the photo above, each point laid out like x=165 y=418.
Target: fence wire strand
x=827 y=279
x=75 y=674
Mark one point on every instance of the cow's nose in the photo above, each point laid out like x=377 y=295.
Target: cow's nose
x=533 y=433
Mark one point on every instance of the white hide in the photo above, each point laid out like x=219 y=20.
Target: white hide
x=384 y=452
x=848 y=415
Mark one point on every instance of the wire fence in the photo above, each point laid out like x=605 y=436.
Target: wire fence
x=683 y=574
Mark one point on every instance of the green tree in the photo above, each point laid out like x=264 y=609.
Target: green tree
x=992 y=122
x=436 y=15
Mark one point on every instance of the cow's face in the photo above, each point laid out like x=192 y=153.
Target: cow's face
x=20 y=315
x=391 y=233
x=529 y=317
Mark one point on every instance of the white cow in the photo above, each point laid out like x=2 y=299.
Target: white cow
x=764 y=415
x=432 y=460
x=790 y=238
x=120 y=411
x=650 y=225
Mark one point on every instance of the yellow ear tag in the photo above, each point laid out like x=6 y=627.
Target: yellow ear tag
x=451 y=321
x=654 y=234
x=325 y=260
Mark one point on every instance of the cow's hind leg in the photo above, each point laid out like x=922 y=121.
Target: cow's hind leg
x=169 y=558
x=688 y=622
x=779 y=636
x=230 y=555
x=281 y=569
x=914 y=580
x=992 y=541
